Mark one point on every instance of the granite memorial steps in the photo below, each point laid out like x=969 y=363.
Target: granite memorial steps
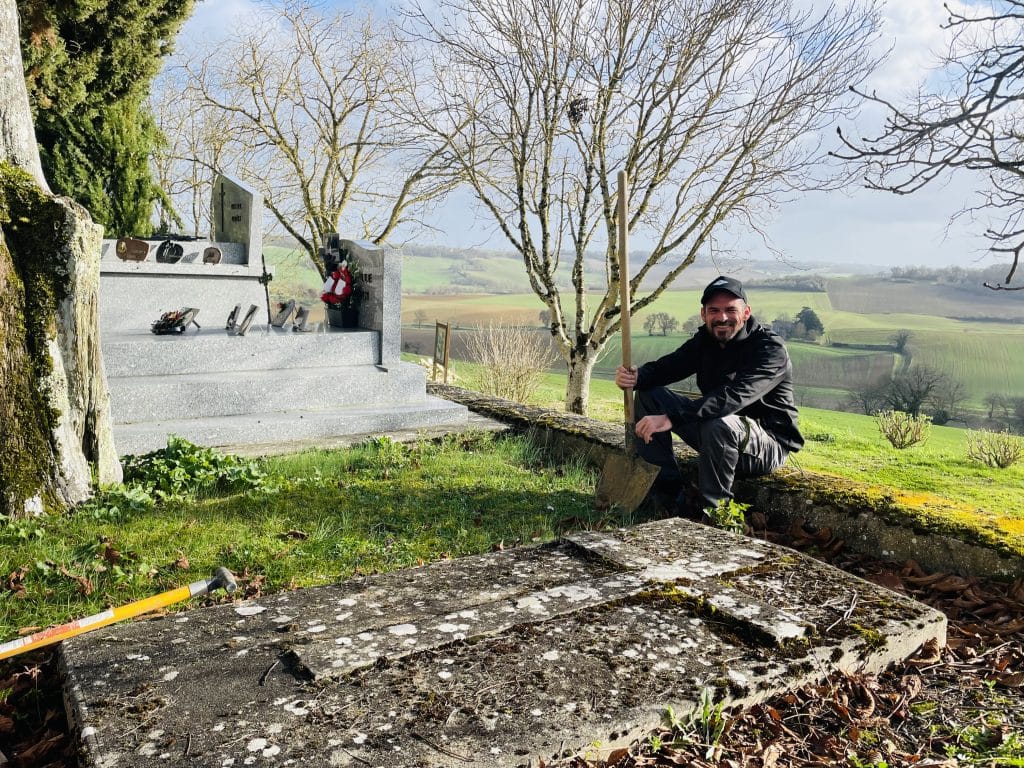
x=210 y=350
x=286 y=427
x=230 y=393
x=270 y=387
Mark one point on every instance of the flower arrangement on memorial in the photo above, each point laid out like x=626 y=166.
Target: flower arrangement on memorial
x=341 y=288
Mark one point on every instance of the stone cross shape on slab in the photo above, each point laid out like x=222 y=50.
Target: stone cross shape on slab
x=503 y=659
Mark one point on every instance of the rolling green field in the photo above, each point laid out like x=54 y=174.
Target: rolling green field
x=937 y=474
x=988 y=357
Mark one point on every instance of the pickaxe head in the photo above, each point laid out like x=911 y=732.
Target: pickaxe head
x=222 y=577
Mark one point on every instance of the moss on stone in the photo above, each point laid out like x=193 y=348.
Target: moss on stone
x=32 y=285
x=925 y=514
x=872 y=638
x=796 y=492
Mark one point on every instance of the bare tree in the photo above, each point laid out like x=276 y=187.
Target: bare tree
x=691 y=324
x=667 y=323
x=712 y=107
x=513 y=359
x=900 y=340
x=307 y=106
x=995 y=401
x=972 y=124
x=947 y=401
x=195 y=141
x=783 y=325
x=911 y=390
x=869 y=398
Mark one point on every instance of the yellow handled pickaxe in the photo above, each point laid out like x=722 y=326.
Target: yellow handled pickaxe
x=222 y=577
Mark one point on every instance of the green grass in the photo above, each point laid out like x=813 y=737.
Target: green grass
x=937 y=475
x=320 y=516
x=849 y=445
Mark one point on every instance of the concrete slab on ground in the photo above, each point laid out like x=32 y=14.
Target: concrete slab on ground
x=504 y=659
x=474 y=423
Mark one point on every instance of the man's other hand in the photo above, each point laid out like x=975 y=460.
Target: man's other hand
x=625 y=378
x=649 y=425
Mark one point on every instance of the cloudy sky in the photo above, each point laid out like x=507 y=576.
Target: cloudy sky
x=859 y=226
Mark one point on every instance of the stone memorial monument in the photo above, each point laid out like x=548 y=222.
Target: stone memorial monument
x=270 y=385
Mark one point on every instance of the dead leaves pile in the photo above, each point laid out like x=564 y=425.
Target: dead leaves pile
x=33 y=727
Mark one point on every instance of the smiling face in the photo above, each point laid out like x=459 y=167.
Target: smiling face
x=724 y=315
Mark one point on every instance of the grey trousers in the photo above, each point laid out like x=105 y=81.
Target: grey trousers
x=729 y=446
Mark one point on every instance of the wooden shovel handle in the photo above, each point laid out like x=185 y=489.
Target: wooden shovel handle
x=627 y=351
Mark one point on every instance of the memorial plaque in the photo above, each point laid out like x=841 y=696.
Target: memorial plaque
x=237 y=216
x=442 y=338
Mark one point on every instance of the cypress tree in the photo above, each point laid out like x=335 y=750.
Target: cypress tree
x=88 y=66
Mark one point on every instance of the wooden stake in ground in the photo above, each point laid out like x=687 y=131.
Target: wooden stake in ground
x=626 y=479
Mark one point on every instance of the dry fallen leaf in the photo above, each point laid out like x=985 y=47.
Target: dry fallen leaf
x=84 y=585
x=616 y=756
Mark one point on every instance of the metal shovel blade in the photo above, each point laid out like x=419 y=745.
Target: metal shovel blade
x=625 y=481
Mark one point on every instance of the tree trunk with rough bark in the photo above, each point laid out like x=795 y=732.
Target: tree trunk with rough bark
x=577 y=389
x=54 y=403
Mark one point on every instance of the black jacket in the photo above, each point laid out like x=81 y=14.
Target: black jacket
x=752 y=376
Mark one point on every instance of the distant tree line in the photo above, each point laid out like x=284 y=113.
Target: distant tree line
x=661 y=321
x=807 y=283
x=804 y=325
x=1005 y=411
x=956 y=276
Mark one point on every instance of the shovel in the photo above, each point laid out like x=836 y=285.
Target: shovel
x=221 y=579
x=626 y=479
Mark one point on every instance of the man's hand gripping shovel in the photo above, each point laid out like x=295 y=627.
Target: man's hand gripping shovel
x=222 y=578
x=626 y=479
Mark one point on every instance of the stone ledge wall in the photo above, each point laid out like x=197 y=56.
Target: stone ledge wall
x=869 y=519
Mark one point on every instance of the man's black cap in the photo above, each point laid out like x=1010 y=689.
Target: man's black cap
x=727 y=284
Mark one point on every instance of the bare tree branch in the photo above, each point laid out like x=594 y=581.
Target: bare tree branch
x=307 y=109
x=711 y=106
x=971 y=125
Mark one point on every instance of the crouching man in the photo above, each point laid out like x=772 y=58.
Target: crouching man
x=745 y=421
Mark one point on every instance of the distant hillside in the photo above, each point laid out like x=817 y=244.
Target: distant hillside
x=963 y=299
x=436 y=269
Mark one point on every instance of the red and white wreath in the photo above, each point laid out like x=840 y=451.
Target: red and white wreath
x=338 y=285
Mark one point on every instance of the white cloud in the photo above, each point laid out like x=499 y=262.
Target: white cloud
x=913 y=29
x=218 y=19
x=865 y=226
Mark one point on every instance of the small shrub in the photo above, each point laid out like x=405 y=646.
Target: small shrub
x=995 y=449
x=382 y=455
x=704 y=725
x=729 y=515
x=21 y=528
x=902 y=430
x=117 y=503
x=183 y=468
x=512 y=359
x=818 y=435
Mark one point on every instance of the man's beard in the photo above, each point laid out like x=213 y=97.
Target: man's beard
x=724 y=331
